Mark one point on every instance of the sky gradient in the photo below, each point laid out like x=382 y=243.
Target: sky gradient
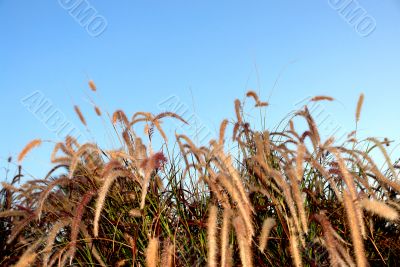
x=204 y=53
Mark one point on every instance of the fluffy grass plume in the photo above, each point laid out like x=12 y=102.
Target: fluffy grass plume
x=80 y=115
x=97 y=110
x=254 y=95
x=243 y=241
x=355 y=230
x=33 y=144
x=380 y=208
x=152 y=252
x=212 y=236
x=167 y=256
x=28 y=257
x=102 y=196
x=92 y=86
x=359 y=107
x=226 y=227
x=268 y=224
x=321 y=98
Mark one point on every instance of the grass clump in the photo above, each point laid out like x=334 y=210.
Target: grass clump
x=286 y=197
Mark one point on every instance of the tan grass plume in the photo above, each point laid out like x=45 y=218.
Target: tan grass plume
x=226 y=227
x=167 y=256
x=152 y=252
x=27 y=259
x=80 y=115
x=136 y=213
x=244 y=242
x=97 y=110
x=321 y=98
x=294 y=245
x=254 y=95
x=238 y=110
x=51 y=239
x=28 y=148
x=222 y=130
x=102 y=196
x=268 y=224
x=212 y=236
x=379 y=208
x=355 y=230
x=92 y=86
x=359 y=107
x=29 y=256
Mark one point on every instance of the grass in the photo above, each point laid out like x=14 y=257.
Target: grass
x=286 y=198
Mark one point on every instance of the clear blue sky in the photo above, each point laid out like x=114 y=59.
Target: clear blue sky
x=207 y=53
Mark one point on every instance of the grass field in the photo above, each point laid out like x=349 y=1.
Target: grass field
x=283 y=198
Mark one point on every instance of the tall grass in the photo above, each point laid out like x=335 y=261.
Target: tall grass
x=286 y=198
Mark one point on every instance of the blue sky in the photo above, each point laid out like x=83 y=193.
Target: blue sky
x=206 y=53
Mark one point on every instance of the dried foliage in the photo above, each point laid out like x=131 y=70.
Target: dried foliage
x=286 y=198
